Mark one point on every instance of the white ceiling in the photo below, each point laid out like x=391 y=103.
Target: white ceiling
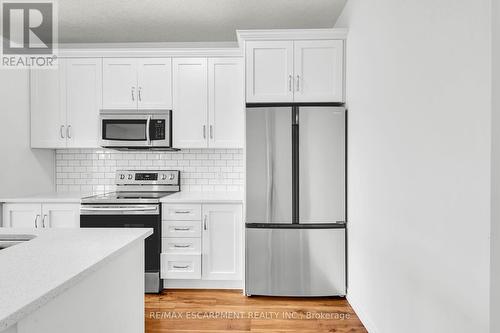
x=121 y=21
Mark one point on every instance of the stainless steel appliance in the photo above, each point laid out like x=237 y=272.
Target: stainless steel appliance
x=295 y=201
x=135 y=204
x=132 y=129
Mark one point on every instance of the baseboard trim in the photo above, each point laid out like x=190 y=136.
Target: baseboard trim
x=202 y=284
x=361 y=313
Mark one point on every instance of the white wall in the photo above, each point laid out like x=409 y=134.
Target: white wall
x=418 y=92
x=495 y=175
x=22 y=170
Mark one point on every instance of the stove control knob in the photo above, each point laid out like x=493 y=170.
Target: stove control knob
x=171 y=176
x=163 y=177
x=130 y=176
x=122 y=176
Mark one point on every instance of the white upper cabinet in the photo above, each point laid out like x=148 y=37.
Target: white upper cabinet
x=137 y=83
x=119 y=79
x=318 y=70
x=83 y=84
x=190 y=107
x=222 y=242
x=65 y=104
x=294 y=71
x=226 y=102
x=48 y=118
x=209 y=102
x=269 y=72
x=154 y=83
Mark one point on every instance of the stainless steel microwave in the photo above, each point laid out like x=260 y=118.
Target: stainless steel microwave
x=133 y=129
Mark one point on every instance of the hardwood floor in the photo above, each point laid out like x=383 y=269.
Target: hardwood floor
x=206 y=311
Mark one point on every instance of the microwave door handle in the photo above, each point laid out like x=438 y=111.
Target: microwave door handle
x=148 y=124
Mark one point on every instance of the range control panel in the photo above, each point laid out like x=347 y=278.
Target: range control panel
x=147 y=177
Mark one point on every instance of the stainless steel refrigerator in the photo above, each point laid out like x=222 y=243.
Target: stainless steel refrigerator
x=295 y=201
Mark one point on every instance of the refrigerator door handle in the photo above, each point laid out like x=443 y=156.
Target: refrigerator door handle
x=270 y=176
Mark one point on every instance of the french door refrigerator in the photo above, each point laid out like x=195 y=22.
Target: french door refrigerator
x=295 y=201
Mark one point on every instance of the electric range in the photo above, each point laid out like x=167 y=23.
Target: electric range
x=135 y=204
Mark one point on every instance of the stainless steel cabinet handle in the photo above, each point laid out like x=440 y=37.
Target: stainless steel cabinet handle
x=132 y=92
x=43 y=220
x=298 y=82
x=211 y=131
x=205 y=223
x=36 y=220
x=204 y=131
x=181 y=246
x=140 y=98
x=68 y=132
x=181 y=267
x=290 y=82
x=182 y=211
x=61 y=131
x=182 y=229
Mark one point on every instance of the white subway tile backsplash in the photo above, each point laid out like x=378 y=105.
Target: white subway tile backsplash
x=92 y=171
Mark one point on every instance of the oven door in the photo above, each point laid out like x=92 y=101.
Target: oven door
x=131 y=216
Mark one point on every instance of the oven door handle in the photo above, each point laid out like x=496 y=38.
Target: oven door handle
x=119 y=209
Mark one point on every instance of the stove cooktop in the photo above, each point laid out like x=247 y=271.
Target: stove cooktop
x=127 y=197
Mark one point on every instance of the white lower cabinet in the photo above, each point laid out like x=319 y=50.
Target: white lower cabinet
x=41 y=215
x=21 y=215
x=61 y=215
x=222 y=239
x=180 y=266
x=202 y=242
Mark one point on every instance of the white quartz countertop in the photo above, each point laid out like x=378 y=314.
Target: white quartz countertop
x=50 y=197
x=36 y=271
x=180 y=197
x=204 y=197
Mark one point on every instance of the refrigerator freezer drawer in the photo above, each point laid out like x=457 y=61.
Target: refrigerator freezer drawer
x=295 y=262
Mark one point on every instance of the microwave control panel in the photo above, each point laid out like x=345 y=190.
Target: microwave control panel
x=157 y=129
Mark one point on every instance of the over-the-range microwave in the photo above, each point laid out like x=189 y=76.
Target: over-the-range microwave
x=136 y=129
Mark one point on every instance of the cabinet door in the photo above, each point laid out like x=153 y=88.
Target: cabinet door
x=269 y=76
x=119 y=80
x=226 y=102
x=21 y=215
x=154 y=83
x=318 y=70
x=222 y=245
x=61 y=215
x=190 y=103
x=83 y=101
x=48 y=115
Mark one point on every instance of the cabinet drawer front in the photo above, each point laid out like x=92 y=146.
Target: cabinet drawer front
x=181 y=229
x=180 y=266
x=181 y=212
x=181 y=245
